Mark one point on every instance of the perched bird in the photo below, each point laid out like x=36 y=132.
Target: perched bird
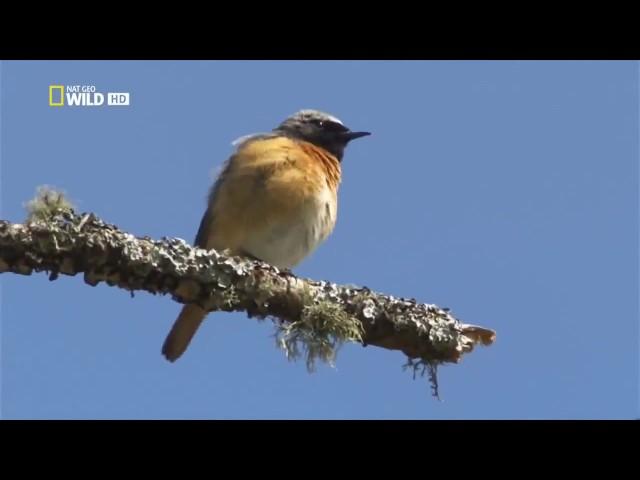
x=275 y=200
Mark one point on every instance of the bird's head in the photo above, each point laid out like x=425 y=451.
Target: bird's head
x=321 y=129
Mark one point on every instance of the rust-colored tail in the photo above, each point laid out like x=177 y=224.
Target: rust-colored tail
x=183 y=331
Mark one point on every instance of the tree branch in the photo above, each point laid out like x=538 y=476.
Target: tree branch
x=314 y=315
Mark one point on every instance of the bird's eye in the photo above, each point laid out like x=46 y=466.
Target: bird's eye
x=333 y=127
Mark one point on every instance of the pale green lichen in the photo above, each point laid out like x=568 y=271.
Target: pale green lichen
x=424 y=367
x=231 y=297
x=265 y=288
x=47 y=203
x=322 y=329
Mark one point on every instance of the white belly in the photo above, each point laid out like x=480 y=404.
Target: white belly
x=286 y=244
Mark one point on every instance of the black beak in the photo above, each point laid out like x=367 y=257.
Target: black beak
x=348 y=136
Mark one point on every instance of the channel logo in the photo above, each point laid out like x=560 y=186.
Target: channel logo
x=85 y=96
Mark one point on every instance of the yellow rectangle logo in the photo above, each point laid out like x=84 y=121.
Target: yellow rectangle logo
x=60 y=102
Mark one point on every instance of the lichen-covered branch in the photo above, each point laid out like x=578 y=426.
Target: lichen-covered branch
x=315 y=316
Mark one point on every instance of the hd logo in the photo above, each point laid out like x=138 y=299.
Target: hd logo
x=84 y=96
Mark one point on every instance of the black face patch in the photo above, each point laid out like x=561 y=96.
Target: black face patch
x=321 y=131
x=332 y=127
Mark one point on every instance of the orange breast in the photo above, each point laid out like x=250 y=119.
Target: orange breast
x=276 y=200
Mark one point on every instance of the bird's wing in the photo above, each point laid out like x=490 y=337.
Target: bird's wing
x=205 y=230
x=239 y=142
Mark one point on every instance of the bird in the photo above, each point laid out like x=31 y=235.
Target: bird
x=274 y=200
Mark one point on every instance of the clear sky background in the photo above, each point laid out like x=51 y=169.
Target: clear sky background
x=507 y=191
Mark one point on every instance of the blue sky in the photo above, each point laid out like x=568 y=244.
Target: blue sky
x=507 y=191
